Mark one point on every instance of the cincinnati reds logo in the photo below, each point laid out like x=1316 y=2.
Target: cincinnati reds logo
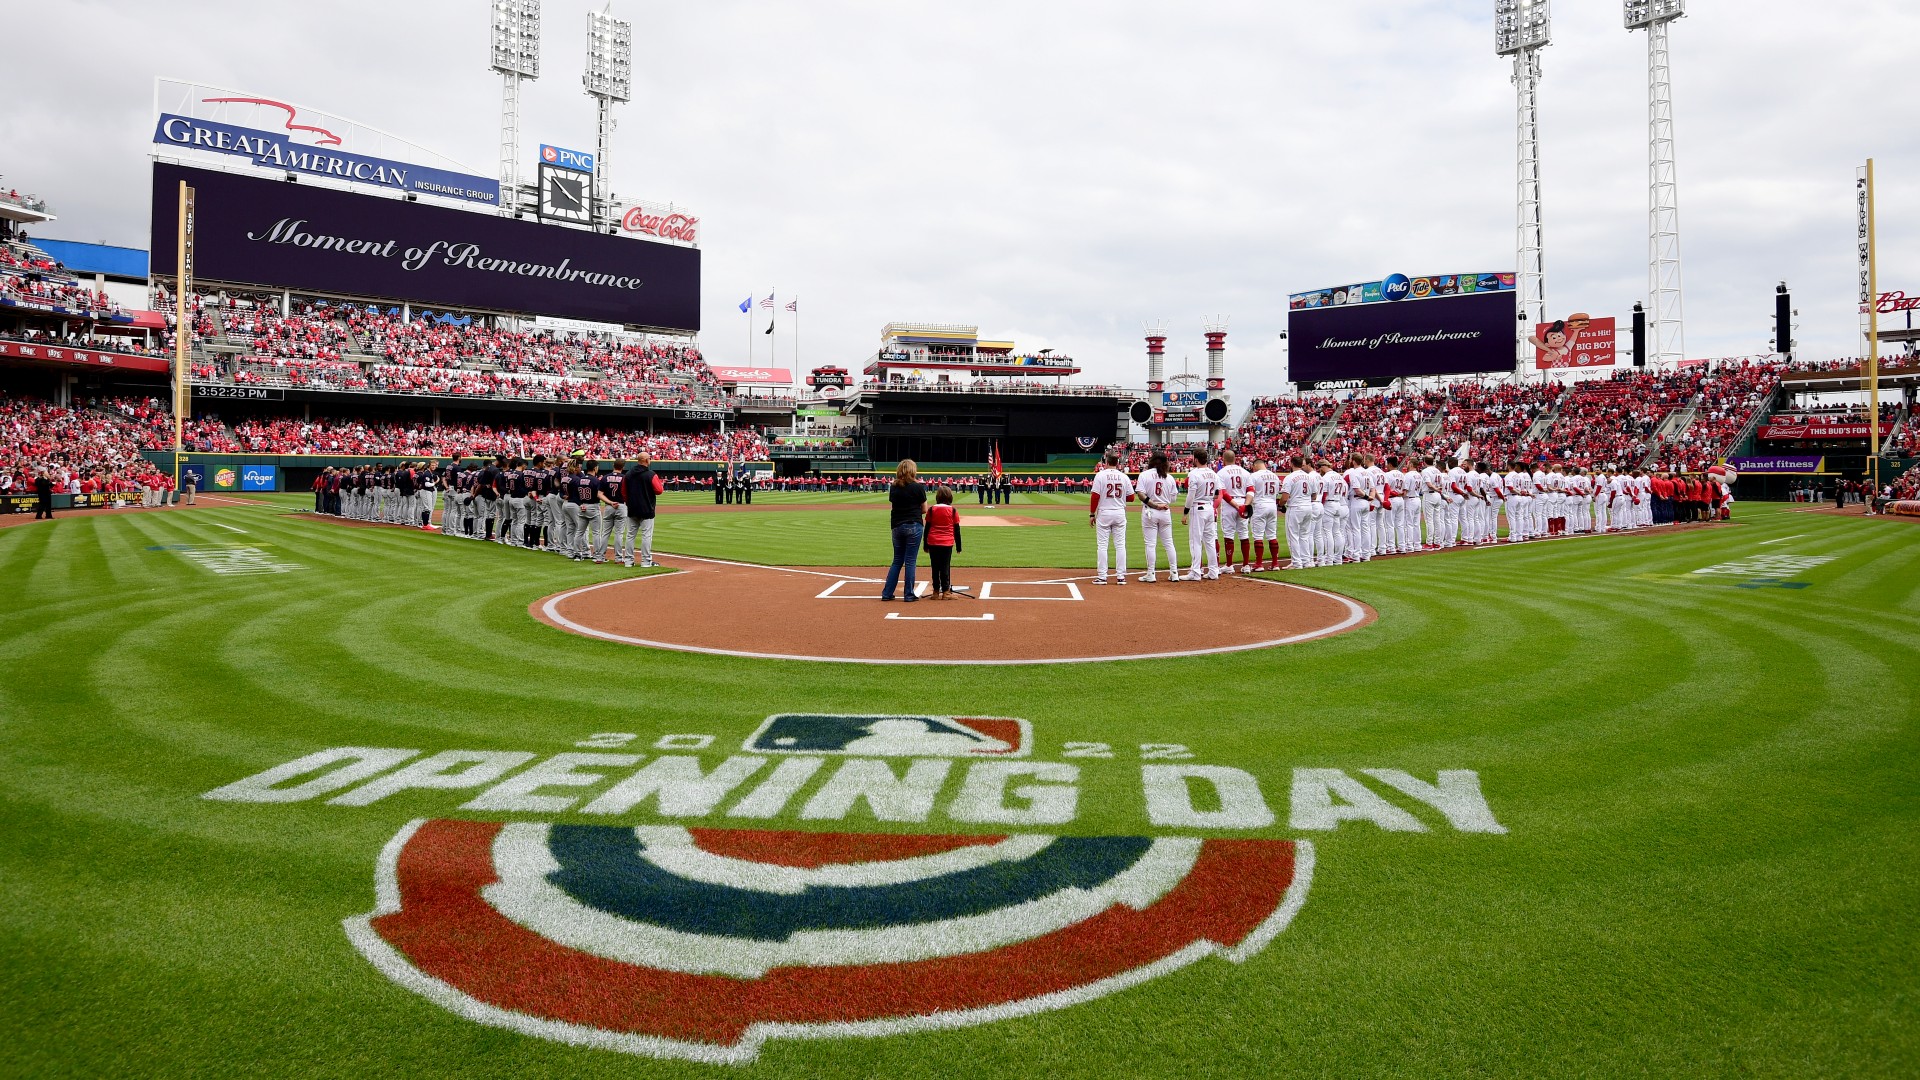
x=703 y=943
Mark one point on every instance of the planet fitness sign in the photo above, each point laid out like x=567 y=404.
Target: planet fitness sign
x=264 y=232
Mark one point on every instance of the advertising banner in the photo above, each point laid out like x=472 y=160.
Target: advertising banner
x=561 y=158
x=258 y=477
x=275 y=150
x=60 y=354
x=1184 y=399
x=271 y=233
x=779 y=375
x=1779 y=464
x=661 y=223
x=1822 y=431
x=1577 y=341
x=199 y=474
x=224 y=479
x=1345 y=384
x=1452 y=324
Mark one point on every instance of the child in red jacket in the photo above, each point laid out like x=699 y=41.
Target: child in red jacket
x=942 y=540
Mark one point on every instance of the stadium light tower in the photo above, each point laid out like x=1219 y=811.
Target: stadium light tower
x=609 y=79
x=1663 y=188
x=1520 y=30
x=516 y=56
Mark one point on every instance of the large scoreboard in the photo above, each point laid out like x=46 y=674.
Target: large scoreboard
x=287 y=235
x=1439 y=324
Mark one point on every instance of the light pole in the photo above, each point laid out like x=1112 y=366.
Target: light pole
x=516 y=56
x=609 y=79
x=1663 y=188
x=1520 y=30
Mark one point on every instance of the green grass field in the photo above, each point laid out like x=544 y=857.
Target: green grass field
x=1711 y=862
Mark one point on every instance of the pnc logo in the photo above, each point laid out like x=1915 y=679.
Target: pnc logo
x=1396 y=287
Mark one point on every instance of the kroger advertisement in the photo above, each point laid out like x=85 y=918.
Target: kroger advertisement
x=296 y=236
x=1402 y=327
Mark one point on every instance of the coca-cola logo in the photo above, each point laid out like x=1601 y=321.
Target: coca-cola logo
x=665 y=226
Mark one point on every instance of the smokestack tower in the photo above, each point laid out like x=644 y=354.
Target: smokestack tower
x=1216 y=328
x=1156 y=357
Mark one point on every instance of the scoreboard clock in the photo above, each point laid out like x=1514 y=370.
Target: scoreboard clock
x=566 y=196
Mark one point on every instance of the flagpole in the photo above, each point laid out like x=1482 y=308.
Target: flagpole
x=749 y=314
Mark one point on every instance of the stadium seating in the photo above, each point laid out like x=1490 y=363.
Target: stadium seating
x=351 y=347
x=97 y=444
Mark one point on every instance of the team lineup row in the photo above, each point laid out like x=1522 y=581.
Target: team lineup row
x=569 y=508
x=1336 y=516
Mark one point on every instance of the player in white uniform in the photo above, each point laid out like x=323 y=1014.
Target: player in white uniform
x=1333 y=544
x=1302 y=492
x=1405 y=513
x=1157 y=490
x=1455 y=493
x=1644 y=483
x=1361 y=504
x=1107 y=513
x=1519 y=484
x=1428 y=483
x=1544 y=510
x=1602 y=492
x=1234 y=510
x=1263 y=494
x=1203 y=496
x=1621 y=509
x=1382 y=539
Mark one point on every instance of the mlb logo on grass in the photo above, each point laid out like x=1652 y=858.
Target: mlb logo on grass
x=889 y=735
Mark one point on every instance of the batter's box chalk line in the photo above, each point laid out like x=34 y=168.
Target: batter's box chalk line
x=1073 y=591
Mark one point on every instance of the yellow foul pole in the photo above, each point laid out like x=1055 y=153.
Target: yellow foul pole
x=1873 y=345
x=182 y=324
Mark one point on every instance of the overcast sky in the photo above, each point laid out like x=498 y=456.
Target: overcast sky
x=1059 y=172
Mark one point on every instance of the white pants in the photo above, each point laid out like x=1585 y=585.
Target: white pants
x=1451 y=513
x=1110 y=527
x=1233 y=524
x=1200 y=542
x=1359 y=530
x=1156 y=527
x=1265 y=524
x=1331 y=544
x=1300 y=535
x=1429 y=524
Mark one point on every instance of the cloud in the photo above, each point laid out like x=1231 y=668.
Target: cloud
x=1059 y=173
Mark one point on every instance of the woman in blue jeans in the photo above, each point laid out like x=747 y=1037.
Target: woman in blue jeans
x=909 y=501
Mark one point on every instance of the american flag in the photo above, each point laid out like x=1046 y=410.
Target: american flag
x=793 y=305
x=768 y=302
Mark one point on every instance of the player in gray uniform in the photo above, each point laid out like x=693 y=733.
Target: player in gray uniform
x=610 y=510
x=553 y=505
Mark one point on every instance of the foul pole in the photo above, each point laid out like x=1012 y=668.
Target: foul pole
x=182 y=325
x=1870 y=317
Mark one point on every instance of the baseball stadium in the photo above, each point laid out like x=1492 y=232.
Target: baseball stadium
x=428 y=649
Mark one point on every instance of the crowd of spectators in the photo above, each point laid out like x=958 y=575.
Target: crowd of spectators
x=362 y=438
x=87 y=448
x=324 y=345
x=1725 y=400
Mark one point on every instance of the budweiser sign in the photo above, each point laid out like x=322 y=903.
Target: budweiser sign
x=661 y=223
x=1892 y=303
x=776 y=375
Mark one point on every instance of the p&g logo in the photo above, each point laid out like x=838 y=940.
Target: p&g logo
x=1396 y=287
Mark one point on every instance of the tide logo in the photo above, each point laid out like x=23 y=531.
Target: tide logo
x=701 y=944
x=891 y=736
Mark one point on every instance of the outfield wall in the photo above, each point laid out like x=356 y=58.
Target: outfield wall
x=295 y=472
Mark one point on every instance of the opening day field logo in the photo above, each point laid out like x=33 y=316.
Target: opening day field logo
x=691 y=933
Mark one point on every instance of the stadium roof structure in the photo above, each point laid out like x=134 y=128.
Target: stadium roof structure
x=109 y=260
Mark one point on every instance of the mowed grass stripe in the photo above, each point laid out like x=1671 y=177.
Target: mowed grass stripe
x=1708 y=790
